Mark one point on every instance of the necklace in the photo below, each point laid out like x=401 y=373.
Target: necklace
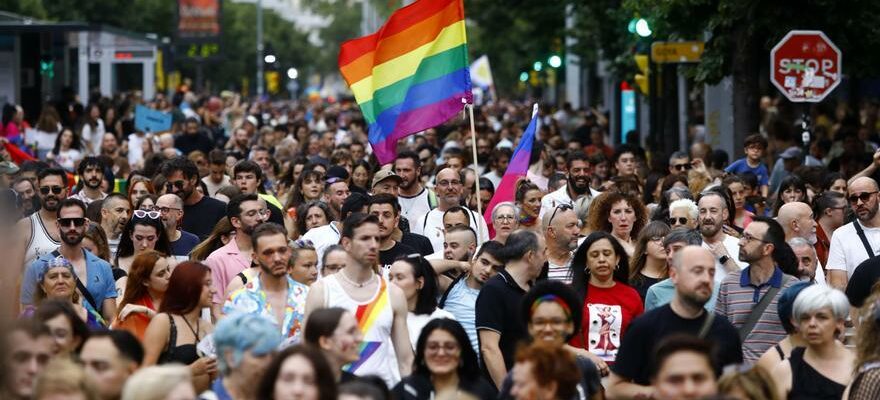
x=353 y=283
x=195 y=332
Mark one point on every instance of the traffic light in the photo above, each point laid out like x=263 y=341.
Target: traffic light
x=47 y=66
x=642 y=78
x=639 y=26
x=273 y=82
x=555 y=61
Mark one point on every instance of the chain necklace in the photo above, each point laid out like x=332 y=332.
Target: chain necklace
x=353 y=283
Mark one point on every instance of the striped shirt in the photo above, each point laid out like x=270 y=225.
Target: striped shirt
x=736 y=299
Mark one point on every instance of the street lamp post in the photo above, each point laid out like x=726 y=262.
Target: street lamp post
x=259 y=48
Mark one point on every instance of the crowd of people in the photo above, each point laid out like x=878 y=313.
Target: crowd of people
x=259 y=251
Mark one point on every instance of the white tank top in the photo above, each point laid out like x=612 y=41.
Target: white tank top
x=375 y=318
x=40 y=242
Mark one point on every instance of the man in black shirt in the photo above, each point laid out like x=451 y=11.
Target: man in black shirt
x=499 y=323
x=387 y=210
x=193 y=138
x=200 y=213
x=692 y=274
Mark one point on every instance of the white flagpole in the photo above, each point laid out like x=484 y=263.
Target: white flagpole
x=470 y=108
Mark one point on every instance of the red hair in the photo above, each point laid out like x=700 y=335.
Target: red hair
x=184 y=288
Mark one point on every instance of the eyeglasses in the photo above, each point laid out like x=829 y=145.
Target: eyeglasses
x=254 y=213
x=562 y=207
x=176 y=184
x=656 y=239
x=77 y=222
x=748 y=238
x=681 y=167
x=853 y=199
x=552 y=322
x=505 y=217
x=166 y=210
x=146 y=214
x=448 y=183
x=677 y=221
x=449 y=347
x=54 y=189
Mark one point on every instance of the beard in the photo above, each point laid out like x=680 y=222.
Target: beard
x=249 y=229
x=870 y=215
x=407 y=183
x=72 y=238
x=93 y=183
x=267 y=269
x=44 y=202
x=579 y=187
x=710 y=229
x=694 y=299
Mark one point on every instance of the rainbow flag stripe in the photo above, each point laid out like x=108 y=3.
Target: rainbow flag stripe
x=516 y=169
x=412 y=74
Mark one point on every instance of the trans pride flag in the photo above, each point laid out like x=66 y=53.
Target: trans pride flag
x=516 y=170
x=412 y=74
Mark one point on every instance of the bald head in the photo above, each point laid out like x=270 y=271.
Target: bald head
x=693 y=255
x=862 y=184
x=170 y=200
x=797 y=221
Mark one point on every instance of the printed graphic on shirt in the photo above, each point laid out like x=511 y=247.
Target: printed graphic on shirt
x=366 y=315
x=605 y=321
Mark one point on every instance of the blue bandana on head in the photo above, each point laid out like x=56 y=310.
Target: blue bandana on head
x=57 y=262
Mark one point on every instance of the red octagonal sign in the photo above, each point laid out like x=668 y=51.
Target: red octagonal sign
x=805 y=66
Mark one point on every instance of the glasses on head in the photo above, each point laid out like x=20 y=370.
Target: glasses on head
x=165 y=210
x=748 y=238
x=864 y=197
x=44 y=190
x=254 y=213
x=333 y=180
x=146 y=214
x=66 y=222
x=446 y=183
x=562 y=207
x=303 y=243
x=677 y=221
x=176 y=184
x=682 y=167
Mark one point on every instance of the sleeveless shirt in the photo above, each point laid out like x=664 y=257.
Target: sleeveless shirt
x=807 y=383
x=40 y=242
x=375 y=318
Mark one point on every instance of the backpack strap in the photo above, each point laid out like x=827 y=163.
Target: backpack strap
x=756 y=313
x=861 y=233
x=81 y=287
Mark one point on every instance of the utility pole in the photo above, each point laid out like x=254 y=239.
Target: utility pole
x=259 y=48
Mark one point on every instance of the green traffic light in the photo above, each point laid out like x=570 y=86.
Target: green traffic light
x=554 y=61
x=523 y=76
x=642 y=28
x=538 y=66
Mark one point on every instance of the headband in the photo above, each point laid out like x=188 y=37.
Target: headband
x=555 y=299
x=54 y=263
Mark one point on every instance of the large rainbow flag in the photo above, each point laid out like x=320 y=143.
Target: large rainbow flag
x=516 y=169
x=412 y=74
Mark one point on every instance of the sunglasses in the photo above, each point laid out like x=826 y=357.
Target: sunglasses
x=853 y=199
x=147 y=214
x=681 y=167
x=679 y=220
x=559 y=207
x=54 y=189
x=176 y=184
x=77 y=222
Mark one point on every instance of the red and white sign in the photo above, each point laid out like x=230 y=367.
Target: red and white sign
x=805 y=66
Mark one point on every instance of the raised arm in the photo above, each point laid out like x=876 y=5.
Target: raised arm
x=399 y=331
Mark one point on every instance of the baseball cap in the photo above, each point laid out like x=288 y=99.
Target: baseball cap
x=383 y=175
x=8 y=168
x=791 y=152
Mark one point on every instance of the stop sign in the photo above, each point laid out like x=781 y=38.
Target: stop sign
x=805 y=66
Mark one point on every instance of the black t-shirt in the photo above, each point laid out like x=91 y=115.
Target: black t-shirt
x=863 y=278
x=185 y=244
x=498 y=310
x=642 y=283
x=422 y=244
x=634 y=357
x=387 y=257
x=187 y=143
x=200 y=218
x=275 y=214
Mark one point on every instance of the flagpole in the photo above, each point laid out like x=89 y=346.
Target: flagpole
x=470 y=108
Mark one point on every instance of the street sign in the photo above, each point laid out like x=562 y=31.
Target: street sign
x=805 y=66
x=676 y=52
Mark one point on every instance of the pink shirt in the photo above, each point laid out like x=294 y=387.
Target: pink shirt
x=225 y=263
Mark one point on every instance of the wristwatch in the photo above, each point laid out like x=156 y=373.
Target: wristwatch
x=723 y=259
